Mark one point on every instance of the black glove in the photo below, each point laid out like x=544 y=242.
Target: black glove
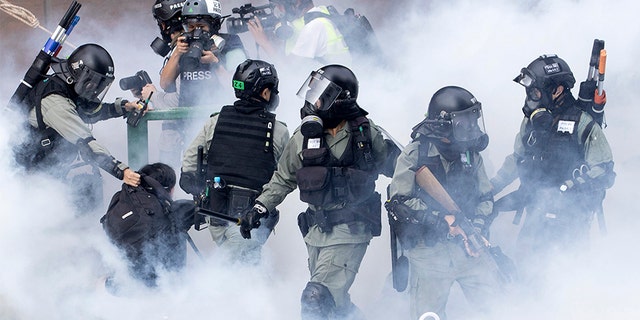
x=587 y=90
x=251 y=219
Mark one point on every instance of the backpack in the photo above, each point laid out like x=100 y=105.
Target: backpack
x=138 y=214
x=355 y=28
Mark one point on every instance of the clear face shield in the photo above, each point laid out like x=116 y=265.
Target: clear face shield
x=468 y=124
x=91 y=85
x=319 y=91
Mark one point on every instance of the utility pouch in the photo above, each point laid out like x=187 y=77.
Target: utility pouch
x=373 y=214
x=313 y=183
x=218 y=202
x=240 y=200
x=303 y=223
x=315 y=157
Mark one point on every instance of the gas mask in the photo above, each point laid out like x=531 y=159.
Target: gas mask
x=319 y=94
x=536 y=97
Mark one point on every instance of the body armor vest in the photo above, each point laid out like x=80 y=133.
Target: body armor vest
x=45 y=147
x=241 y=151
x=460 y=182
x=550 y=157
x=325 y=180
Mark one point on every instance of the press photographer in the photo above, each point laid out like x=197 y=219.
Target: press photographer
x=202 y=55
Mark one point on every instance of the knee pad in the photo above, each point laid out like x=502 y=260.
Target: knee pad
x=317 y=302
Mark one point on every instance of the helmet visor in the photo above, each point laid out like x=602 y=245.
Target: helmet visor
x=525 y=78
x=468 y=124
x=319 y=91
x=92 y=85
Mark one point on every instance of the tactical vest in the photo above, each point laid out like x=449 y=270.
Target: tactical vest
x=45 y=147
x=241 y=151
x=326 y=180
x=460 y=182
x=550 y=157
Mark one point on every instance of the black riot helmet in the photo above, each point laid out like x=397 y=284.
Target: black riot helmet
x=330 y=95
x=209 y=11
x=331 y=87
x=168 y=13
x=89 y=69
x=540 y=78
x=253 y=76
x=454 y=121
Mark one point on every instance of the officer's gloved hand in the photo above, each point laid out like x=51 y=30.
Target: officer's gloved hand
x=587 y=90
x=251 y=219
x=400 y=212
x=480 y=226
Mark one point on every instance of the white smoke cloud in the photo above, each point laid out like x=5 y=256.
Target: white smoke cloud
x=53 y=260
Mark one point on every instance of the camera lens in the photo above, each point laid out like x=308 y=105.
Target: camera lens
x=160 y=47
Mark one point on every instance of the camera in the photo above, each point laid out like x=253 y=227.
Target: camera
x=247 y=12
x=137 y=81
x=160 y=47
x=199 y=40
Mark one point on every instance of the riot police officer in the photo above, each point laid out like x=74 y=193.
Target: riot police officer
x=447 y=142
x=334 y=157
x=562 y=159
x=61 y=107
x=242 y=145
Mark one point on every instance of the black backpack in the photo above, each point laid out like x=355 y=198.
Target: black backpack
x=138 y=214
x=354 y=27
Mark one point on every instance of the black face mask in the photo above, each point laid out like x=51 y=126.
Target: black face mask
x=537 y=98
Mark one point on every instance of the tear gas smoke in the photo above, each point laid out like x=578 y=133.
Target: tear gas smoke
x=54 y=260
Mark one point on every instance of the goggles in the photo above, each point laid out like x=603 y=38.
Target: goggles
x=528 y=81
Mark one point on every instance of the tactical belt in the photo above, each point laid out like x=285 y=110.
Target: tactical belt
x=327 y=219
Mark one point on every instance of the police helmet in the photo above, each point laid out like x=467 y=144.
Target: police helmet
x=208 y=10
x=329 y=86
x=89 y=69
x=454 y=113
x=547 y=71
x=252 y=76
